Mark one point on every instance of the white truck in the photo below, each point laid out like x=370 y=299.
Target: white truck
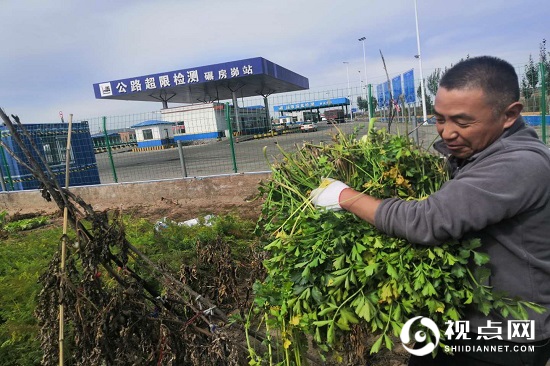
x=285 y=123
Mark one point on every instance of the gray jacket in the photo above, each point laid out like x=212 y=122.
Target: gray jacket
x=502 y=195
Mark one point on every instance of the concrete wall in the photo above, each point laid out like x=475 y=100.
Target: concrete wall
x=176 y=199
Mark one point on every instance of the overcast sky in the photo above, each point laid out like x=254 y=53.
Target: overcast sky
x=52 y=52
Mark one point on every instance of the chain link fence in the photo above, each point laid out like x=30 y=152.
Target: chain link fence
x=217 y=138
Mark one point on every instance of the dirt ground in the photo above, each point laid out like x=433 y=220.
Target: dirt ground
x=177 y=212
x=166 y=201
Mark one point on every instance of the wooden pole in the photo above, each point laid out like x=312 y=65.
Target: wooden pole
x=64 y=248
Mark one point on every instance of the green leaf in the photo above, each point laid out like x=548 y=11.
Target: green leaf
x=388 y=341
x=419 y=282
x=330 y=333
x=390 y=270
x=480 y=258
x=306 y=273
x=366 y=311
x=349 y=316
x=482 y=274
x=469 y=298
x=359 y=248
x=370 y=269
x=317 y=295
x=329 y=309
x=428 y=289
x=322 y=323
x=337 y=281
x=341 y=271
x=339 y=262
x=396 y=314
x=450 y=259
x=343 y=323
x=458 y=271
x=376 y=346
x=396 y=327
x=484 y=307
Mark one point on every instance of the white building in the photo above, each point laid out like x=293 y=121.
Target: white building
x=154 y=133
x=197 y=121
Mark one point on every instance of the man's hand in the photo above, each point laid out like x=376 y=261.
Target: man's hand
x=328 y=194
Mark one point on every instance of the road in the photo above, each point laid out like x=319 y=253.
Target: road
x=214 y=158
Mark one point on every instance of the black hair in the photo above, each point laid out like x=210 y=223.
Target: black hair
x=495 y=77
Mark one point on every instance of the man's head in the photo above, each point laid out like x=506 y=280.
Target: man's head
x=477 y=100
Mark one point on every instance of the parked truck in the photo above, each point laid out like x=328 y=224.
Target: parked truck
x=285 y=123
x=335 y=116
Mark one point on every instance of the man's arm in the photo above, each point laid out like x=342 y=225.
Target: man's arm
x=359 y=204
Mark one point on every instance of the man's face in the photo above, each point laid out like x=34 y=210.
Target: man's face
x=465 y=122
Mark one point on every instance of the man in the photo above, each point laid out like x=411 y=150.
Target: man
x=499 y=191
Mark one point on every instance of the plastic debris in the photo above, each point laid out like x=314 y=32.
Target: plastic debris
x=165 y=222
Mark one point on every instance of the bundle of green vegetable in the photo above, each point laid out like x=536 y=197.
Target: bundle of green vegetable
x=329 y=272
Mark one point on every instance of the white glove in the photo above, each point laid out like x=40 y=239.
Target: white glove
x=328 y=194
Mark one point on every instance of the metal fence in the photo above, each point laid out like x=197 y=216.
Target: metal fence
x=256 y=140
x=252 y=149
x=217 y=138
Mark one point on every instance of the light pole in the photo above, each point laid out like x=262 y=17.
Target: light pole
x=419 y=57
x=360 y=86
x=349 y=90
x=362 y=39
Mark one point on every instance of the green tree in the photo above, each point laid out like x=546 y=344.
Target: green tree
x=429 y=103
x=544 y=59
x=432 y=83
x=362 y=104
x=373 y=102
x=530 y=79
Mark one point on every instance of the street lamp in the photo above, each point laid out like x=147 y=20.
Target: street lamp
x=362 y=39
x=360 y=86
x=419 y=57
x=349 y=90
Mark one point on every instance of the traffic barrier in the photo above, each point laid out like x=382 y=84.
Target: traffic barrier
x=152 y=148
x=273 y=133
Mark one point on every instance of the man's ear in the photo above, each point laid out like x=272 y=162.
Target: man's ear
x=512 y=113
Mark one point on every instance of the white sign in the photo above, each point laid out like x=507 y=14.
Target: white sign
x=105 y=89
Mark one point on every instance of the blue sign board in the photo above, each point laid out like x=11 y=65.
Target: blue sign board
x=408 y=81
x=197 y=75
x=386 y=91
x=380 y=95
x=324 y=103
x=396 y=87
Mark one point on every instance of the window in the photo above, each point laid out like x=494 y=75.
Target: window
x=54 y=149
x=179 y=127
x=148 y=134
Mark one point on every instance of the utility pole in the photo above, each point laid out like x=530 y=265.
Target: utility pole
x=419 y=57
x=362 y=39
x=349 y=91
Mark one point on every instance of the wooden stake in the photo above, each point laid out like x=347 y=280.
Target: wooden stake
x=64 y=248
